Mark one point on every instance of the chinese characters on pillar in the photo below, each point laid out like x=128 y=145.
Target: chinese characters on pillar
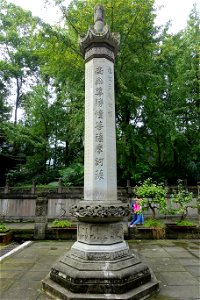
x=100 y=139
x=103 y=110
x=99 y=123
x=110 y=93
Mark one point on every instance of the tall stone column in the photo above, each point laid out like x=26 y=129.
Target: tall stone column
x=100 y=264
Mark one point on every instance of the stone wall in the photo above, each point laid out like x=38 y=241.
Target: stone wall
x=21 y=206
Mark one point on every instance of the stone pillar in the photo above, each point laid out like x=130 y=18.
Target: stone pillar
x=128 y=187
x=60 y=186
x=198 y=197
x=7 y=188
x=100 y=264
x=41 y=218
x=33 y=188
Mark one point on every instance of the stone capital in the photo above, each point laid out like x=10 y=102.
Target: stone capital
x=99 y=36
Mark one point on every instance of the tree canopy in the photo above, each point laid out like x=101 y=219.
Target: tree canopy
x=156 y=94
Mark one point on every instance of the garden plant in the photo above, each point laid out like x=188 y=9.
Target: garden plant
x=181 y=201
x=3 y=228
x=154 y=198
x=61 y=224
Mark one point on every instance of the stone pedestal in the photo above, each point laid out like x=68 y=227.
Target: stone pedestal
x=104 y=273
x=100 y=264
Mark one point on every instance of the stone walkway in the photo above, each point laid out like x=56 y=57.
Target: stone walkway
x=4 y=249
x=175 y=263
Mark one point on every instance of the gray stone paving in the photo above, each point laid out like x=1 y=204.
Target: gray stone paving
x=175 y=263
x=8 y=248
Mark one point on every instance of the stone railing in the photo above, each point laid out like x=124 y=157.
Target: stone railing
x=20 y=203
x=34 y=189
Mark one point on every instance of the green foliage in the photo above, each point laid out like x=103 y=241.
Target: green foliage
x=18 y=62
x=185 y=223
x=182 y=201
x=153 y=196
x=156 y=92
x=53 y=184
x=61 y=224
x=73 y=175
x=3 y=228
x=152 y=223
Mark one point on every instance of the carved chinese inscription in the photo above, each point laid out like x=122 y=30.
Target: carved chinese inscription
x=99 y=122
x=100 y=141
x=104 y=234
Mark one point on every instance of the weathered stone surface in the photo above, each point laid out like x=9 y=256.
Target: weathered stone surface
x=100 y=180
x=34 y=262
x=100 y=276
x=100 y=262
x=100 y=252
x=143 y=292
x=93 y=233
x=101 y=211
x=41 y=218
x=99 y=34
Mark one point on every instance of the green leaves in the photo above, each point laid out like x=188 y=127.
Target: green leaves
x=61 y=224
x=73 y=175
x=182 y=198
x=153 y=196
x=156 y=91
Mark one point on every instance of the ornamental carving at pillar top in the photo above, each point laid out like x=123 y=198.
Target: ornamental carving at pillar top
x=99 y=211
x=99 y=35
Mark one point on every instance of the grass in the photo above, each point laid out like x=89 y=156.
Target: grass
x=61 y=224
x=185 y=223
x=153 y=223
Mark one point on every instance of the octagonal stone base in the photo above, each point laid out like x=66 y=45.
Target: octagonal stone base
x=143 y=292
x=76 y=277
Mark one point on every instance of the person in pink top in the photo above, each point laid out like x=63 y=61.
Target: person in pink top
x=138 y=215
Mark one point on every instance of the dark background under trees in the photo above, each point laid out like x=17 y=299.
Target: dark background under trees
x=42 y=95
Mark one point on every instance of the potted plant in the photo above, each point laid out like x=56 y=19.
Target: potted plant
x=157 y=227
x=5 y=234
x=63 y=229
x=180 y=203
x=61 y=224
x=3 y=228
x=154 y=198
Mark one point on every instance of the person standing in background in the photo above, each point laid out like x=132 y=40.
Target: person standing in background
x=138 y=215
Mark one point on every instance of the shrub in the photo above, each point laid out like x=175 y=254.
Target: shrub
x=72 y=175
x=153 y=196
x=153 y=223
x=182 y=199
x=61 y=224
x=184 y=223
x=3 y=228
x=157 y=226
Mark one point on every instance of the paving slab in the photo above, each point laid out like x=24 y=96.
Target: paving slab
x=155 y=252
x=193 y=270
x=189 y=262
x=165 y=267
x=180 y=292
x=195 y=252
x=178 y=252
x=179 y=277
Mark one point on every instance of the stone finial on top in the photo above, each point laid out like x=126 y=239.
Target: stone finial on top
x=99 y=18
x=99 y=35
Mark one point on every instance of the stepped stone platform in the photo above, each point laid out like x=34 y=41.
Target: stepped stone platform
x=176 y=264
